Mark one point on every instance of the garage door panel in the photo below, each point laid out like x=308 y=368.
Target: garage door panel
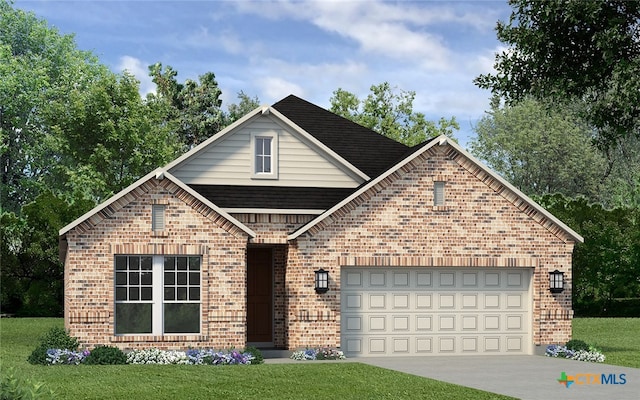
x=441 y=311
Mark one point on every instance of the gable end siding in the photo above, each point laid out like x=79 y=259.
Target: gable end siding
x=229 y=160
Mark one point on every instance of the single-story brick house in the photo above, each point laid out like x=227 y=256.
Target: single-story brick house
x=427 y=250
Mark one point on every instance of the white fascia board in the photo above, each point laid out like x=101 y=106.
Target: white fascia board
x=441 y=140
x=209 y=204
x=319 y=144
x=272 y=211
x=158 y=173
x=517 y=191
x=218 y=136
x=363 y=189
x=155 y=173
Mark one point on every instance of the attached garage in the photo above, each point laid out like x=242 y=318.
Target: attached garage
x=439 y=311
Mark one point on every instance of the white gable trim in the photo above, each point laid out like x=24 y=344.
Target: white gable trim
x=159 y=173
x=441 y=140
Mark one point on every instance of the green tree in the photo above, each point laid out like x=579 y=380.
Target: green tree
x=389 y=111
x=106 y=137
x=540 y=150
x=32 y=274
x=38 y=66
x=193 y=109
x=574 y=50
x=606 y=266
x=245 y=105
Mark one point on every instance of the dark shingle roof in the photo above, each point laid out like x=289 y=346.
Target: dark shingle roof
x=367 y=150
x=272 y=197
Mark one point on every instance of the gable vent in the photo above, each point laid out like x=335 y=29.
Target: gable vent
x=157 y=217
x=438 y=193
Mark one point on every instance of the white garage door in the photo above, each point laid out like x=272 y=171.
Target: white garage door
x=422 y=311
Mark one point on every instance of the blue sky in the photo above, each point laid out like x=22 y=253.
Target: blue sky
x=271 y=49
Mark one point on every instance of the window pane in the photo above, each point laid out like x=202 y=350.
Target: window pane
x=182 y=318
x=146 y=293
x=134 y=278
x=194 y=263
x=266 y=146
x=133 y=318
x=182 y=263
x=134 y=263
x=169 y=263
x=121 y=293
x=194 y=278
x=121 y=262
x=169 y=278
x=169 y=293
x=134 y=293
x=182 y=278
x=182 y=293
x=121 y=278
x=146 y=278
x=267 y=164
x=194 y=293
x=146 y=263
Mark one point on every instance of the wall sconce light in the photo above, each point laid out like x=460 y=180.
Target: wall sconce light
x=556 y=281
x=322 y=281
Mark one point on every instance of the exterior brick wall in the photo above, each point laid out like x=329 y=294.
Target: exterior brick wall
x=482 y=224
x=394 y=224
x=89 y=268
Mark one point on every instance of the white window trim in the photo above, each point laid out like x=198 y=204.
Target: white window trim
x=157 y=309
x=274 y=155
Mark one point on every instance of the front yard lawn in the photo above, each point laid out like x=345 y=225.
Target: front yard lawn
x=300 y=380
x=617 y=338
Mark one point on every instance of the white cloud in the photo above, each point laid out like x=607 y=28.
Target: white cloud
x=278 y=88
x=140 y=70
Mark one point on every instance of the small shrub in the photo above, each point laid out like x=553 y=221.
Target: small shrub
x=106 y=355
x=256 y=353
x=577 y=344
x=318 y=354
x=55 y=338
x=13 y=387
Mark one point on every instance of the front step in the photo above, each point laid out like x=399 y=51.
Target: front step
x=275 y=353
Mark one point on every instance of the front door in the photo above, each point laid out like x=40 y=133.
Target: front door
x=259 y=296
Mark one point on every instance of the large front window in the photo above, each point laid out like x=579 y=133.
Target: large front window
x=157 y=294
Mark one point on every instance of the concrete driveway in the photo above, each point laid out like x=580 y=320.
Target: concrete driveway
x=525 y=377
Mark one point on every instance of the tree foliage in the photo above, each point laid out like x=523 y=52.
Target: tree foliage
x=545 y=150
x=539 y=150
x=606 y=266
x=193 y=108
x=389 y=111
x=574 y=50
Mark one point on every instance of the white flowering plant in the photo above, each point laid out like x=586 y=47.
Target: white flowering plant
x=324 y=353
x=156 y=356
x=590 y=355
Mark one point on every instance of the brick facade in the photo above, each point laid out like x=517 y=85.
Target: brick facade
x=393 y=224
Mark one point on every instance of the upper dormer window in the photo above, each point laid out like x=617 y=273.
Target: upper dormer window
x=264 y=147
x=263 y=155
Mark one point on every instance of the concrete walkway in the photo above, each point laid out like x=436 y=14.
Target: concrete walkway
x=524 y=377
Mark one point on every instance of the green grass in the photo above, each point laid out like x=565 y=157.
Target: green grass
x=617 y=338
x=308 y=380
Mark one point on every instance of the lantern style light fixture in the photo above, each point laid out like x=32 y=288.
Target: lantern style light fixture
x=556 y=281
x=322 y=281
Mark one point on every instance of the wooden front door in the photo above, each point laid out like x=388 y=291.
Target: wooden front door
x=259 y=295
